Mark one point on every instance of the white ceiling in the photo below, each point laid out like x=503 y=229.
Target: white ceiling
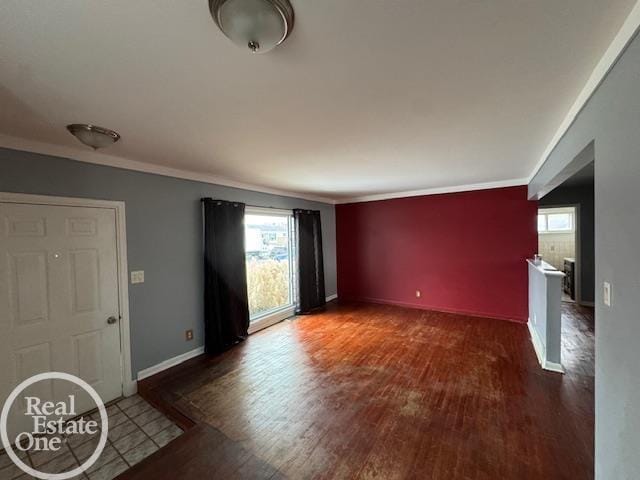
x=365 y=97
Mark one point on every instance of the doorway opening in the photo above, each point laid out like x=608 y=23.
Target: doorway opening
x=574 y=186
x=558 y=245
x=570 y=213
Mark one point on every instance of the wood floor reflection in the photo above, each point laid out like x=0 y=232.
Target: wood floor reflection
x=371 y=391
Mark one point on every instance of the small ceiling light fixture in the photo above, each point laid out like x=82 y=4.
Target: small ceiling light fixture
x=259 y=25
x=93 y=136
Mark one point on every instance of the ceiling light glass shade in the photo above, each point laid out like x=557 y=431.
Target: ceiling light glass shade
x=93 y=136
x=258 y=25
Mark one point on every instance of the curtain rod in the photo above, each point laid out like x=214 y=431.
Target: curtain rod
x=254 y=206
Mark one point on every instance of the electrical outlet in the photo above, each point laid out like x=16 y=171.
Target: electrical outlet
x=418 y=294
x=188 y=335
x=606 y=297
x=137 y=276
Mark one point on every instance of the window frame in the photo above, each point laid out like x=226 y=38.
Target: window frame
x=270 y=317
x=546 y=231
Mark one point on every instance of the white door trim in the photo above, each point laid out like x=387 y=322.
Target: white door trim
x=129 y=384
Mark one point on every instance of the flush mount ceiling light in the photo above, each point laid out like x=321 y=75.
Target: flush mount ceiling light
x=259 y=25
x=93 y=136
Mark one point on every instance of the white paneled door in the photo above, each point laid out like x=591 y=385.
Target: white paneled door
x=59 y=306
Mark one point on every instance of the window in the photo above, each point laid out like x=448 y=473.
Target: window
x=555 y=222
x=268 y=253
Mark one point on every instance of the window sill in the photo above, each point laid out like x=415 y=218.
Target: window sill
x=555 y=232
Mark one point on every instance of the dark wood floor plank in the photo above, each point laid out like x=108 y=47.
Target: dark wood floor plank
x=382 y=392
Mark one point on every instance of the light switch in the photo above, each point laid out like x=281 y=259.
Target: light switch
x=607 y=294
x=137 y=276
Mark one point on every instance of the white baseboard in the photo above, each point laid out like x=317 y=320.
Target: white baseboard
x=553 y=367
x=177 y=360
x=172 y=362
x=540 y=351
x=537 y=343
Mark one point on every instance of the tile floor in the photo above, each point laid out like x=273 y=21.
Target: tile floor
x=136 y=430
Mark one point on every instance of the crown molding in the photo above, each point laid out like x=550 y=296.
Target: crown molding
x=623 y=38
x=435 y=191
x=621 y=41
x=97 y=158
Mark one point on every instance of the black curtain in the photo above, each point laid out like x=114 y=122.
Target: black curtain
x=310 y=264
x=226 y=308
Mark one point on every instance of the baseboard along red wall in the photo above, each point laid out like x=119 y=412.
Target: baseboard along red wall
x=465 y=252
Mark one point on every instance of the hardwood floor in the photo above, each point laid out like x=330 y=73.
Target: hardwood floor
x=371 y=391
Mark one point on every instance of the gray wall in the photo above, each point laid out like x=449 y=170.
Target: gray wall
x=164 y=238
x=612 y=119
x=584 y=197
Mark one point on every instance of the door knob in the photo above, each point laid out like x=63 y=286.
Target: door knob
x=111 y=320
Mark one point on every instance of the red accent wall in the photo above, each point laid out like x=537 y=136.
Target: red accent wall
x=465 y=251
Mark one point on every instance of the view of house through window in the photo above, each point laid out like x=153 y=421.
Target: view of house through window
x=269 y=262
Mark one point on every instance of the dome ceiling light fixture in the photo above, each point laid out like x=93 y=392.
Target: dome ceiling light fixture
x=92 y=135
x=259 y=25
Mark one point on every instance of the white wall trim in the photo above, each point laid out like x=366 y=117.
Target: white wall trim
x=553 y=367
x=171 y=362
x=617 y=47
x=435 y=191
x=537 y=343
x=253 y=328
x=540 y=351
x=99 y=158
x=129 y=384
